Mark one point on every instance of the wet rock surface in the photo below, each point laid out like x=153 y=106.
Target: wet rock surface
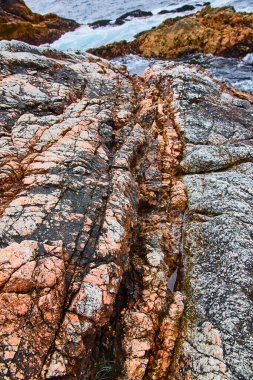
x=234 y=72
x=218 y=31
x=120 y=20
x=18 y=22
x=184 y=8
x=100 y=24
x=125 y=221
x=133 y=14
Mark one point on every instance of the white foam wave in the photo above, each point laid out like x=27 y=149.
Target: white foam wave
x=84 y=37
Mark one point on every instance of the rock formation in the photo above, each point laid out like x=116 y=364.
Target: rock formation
x=184 y=8
x=132 y=14
x=99 y=24
x=218 y=31
x=18 y=22
x=126 y=221
x=138 y=13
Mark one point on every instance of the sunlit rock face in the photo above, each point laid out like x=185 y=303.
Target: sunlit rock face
x=18 y=22
x=125 y=221
x=217 y=31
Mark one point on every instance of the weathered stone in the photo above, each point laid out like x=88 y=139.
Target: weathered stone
x=60 y=185
x=216 y=128
x=126 y=221
x=99 y=24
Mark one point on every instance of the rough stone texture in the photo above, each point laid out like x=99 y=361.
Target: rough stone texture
x=216 y=128
x=65 y=183
x=155 y=251
x=102 y=256
x=18 y=22
x=219 y=31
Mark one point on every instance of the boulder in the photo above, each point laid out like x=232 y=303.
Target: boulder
x=184 y=8
x=99 y=24
x=132 y=14
x=120 y=20
x=18 y=22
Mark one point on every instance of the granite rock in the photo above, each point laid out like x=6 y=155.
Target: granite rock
x=215 y=125
x=125 y=222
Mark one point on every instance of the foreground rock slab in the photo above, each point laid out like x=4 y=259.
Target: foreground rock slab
x=126 y=218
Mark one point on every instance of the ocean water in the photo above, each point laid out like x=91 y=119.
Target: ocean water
x=85 y=11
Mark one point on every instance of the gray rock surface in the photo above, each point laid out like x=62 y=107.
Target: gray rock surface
x=217 y=129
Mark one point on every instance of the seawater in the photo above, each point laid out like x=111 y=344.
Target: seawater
x=85 y=11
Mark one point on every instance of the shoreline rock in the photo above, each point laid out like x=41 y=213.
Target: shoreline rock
x=138 y=13
x=184 y=8
x=219 y=31
x=99 y=24
x=18 y=22
x=111 y=185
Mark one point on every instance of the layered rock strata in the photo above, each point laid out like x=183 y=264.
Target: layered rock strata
x=125 y=221
x=218 y=31
x=18 y=22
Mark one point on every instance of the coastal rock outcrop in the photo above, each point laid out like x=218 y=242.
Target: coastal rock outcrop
x=132 y=14
x=126 y=221
x=218 y=31
x=18 y=22
x=138 y=13
x=184 y=8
